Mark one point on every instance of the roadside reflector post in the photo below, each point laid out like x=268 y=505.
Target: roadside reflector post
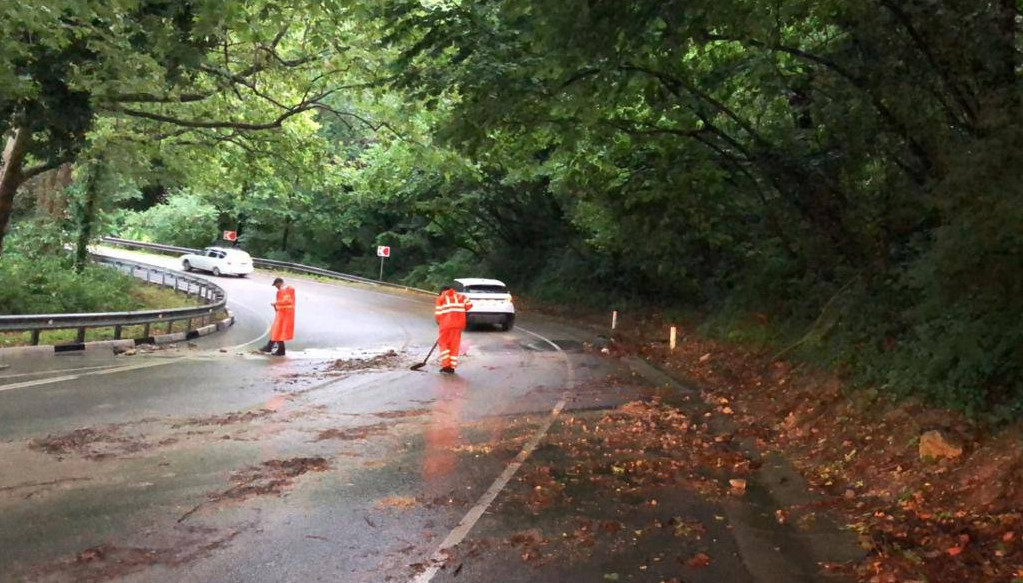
x=672 y=337
x=614 y=320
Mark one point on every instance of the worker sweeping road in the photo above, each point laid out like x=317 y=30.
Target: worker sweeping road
x=449 y=311
x=283 y=327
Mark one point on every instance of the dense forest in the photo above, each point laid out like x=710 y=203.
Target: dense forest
x=839 y=180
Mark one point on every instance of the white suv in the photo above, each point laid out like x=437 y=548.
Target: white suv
x=219 y=261
x=491 y=302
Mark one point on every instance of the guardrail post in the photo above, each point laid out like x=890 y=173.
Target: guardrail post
x=81 y=335
x=117 y=332
x=35 y=338
x=170 y=326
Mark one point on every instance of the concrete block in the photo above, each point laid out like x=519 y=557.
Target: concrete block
x=26 y=351
x=169 y=338
x=123 y=344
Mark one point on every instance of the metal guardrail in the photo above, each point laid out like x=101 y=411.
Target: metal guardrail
x=259 y=262
x=206 y=291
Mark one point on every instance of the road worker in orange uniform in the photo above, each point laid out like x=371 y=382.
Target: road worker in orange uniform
x=449 y=311
x=284 y=319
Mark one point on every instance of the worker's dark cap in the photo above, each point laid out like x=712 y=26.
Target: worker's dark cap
x=277 y=281
x=445 y=288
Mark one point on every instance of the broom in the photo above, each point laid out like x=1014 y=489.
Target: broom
x=420 y=365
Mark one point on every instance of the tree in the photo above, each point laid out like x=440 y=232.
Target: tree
x=199 y=69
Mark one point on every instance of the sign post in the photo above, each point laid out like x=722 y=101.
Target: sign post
x=383 y=252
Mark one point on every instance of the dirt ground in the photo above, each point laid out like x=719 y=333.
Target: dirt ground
x=957 y=519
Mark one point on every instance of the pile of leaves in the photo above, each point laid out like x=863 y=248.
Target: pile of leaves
x=90 y=443
x=955 y=519
x=630 y=454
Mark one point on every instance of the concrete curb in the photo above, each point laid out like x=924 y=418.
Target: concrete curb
x=114 y=345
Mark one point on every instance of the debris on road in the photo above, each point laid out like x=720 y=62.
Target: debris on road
x=110 y=561
x=397 y=502
x=353 y=433
x=389 y=359
x=909 y=477
x=226 y=419
x=402 y=414
x=271 y=477
x=89 y=443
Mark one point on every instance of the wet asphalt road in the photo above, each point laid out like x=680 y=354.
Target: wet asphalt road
x=205 y=462
x=157 y=447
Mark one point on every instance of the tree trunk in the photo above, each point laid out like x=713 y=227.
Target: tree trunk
x=87 y=218
x=284 y=236
x=10 y=176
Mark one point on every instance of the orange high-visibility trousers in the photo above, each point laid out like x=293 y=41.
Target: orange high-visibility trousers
x=449 y=342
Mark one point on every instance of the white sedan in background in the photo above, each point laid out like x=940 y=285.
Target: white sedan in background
x=219 y=261
x=491 y=302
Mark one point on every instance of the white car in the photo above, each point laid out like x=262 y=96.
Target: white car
x=491 y=302
x=219 y=261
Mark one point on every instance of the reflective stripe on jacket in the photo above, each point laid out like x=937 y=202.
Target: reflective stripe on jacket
x=450 y=309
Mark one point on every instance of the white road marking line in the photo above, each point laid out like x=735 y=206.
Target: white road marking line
x=115 y=369
x=257 y=338
x=55 y=371
x=456 y=536
x=38 y=382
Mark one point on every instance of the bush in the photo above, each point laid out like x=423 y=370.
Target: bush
x=184 y=219
x=39 y=277
x=50 y=286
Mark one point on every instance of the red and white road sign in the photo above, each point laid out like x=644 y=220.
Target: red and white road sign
x=383 y=251
x=230 y=236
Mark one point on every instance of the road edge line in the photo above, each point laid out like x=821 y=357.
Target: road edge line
x=465 y=525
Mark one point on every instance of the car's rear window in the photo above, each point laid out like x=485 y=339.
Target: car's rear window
x=486 y=289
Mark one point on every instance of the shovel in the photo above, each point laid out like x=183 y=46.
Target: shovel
x=420 y=365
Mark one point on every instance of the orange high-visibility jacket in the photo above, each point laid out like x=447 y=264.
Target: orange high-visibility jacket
x=450 y=310
x=284 y=320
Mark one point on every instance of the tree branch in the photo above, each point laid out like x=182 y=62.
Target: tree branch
x=33 y=171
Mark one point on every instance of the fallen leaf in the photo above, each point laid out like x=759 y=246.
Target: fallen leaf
x=698 y=561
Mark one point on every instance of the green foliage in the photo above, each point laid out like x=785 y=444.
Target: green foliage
x=833 y=181
x=846 y=172
x=38 y=278
x=184 y=219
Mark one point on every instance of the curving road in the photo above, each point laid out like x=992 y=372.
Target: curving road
x=102 y=455
x=204 y=462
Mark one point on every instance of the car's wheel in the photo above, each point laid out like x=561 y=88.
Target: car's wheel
x=508 y=324
x=243 y=275
x=216 y=271
x=186 y=265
